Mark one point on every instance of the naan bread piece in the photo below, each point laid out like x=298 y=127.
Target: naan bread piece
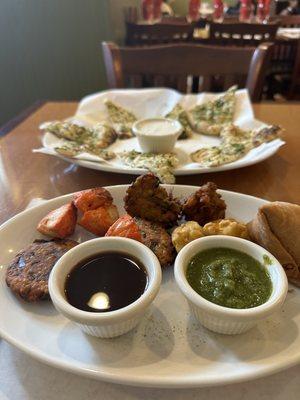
x=100 y=136
x=70 y=150
x=179 y=114
x=78 y=139
x=233 y=135
x=68 y=131
x=217 y=155
x=208 y=156
x=266 y=134
x=121 y=119
x=209 y=118
x=276 y=227
x=161 y=165
x=235 y=144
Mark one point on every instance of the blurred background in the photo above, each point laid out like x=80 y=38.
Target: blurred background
x=52 y=49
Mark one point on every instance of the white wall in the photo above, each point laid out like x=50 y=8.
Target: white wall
x=116 y=17
x=50 y=49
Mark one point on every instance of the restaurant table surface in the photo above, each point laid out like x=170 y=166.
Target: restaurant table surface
x=25 y=176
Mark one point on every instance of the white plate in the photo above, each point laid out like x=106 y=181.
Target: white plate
x=158 y=102
x=169 y=348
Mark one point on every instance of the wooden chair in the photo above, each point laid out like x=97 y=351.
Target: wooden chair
x=289 y=21
x=166 y=19
x=241 y=34
x=283 y=60
x=294 y=91
x=176 y=65
x=284 y=55
x=151 y=34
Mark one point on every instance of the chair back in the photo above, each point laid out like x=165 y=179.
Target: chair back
x=290 y=21
x=241 y=34
x=150 y=34
x=283 y=56
x=186 y=67
x=167 y=19
x=295 y=81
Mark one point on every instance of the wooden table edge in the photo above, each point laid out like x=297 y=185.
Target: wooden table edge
x=26 y=113
x=22 y=116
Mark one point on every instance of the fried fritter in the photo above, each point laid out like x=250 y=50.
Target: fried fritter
x=28 y=273
x=185 y=234
x=205 y=205
x=228 y=227
x=146 y=199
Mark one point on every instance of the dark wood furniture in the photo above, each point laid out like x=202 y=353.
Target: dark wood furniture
x=167 y=19
x=174 y=66
x=294 y=91
x=283 y=74
x=241 y=34
x=26 y=175
x=284 y=56
x=279 y=75
x=150 y=34
x=282 y=67
x=289 y=21
x=130 y=14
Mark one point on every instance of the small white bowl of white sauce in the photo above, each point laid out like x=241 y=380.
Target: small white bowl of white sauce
x=157 y=135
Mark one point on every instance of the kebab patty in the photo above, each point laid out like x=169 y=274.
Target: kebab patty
x=28 y=273
x=158 y=240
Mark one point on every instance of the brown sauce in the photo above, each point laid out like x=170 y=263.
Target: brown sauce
x=105 y=282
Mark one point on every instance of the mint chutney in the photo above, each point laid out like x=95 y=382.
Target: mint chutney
x=229 y=278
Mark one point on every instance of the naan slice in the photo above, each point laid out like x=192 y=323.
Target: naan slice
x=218 y=155
x=121 y=119
x=67 y=131
x=161 y=165
x=232 y=134
x=78 y=139
x=266 y=134
x=179 y=114
x=235 y=144
x=210 y=117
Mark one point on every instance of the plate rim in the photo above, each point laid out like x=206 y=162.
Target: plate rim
x=161 y=382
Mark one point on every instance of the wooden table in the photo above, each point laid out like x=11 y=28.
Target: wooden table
x=24 y=175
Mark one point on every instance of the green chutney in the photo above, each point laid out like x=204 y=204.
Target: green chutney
x=229 y=278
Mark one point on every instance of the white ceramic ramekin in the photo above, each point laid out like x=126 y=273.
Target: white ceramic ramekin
x=113 y=323
x=151 y=143
x=223 y=319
